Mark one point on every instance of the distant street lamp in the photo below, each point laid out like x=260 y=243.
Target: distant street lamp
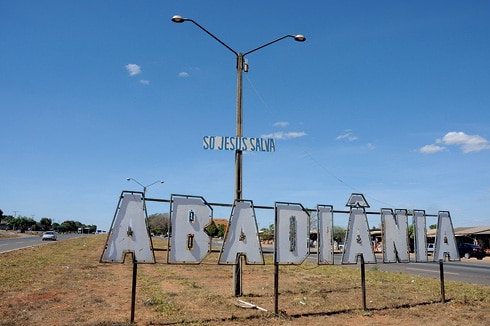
x=240 y=68
x=144 y=187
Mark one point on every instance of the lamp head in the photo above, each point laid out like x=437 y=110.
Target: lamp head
x=128 y=179
x=300 y=38
x=178 y=19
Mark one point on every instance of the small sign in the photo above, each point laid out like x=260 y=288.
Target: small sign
x=249 y=144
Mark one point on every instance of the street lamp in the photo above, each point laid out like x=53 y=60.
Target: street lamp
x=240 y=68
x=144 y=187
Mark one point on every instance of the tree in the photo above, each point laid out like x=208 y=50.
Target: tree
x=23 y=223
x=339 y=233
x=70 y=226
x=221 y=230
x=45 y=223
x=1 y=215
x=411 y=233
x=268 y=233
x=212 y=229
x=159 y=223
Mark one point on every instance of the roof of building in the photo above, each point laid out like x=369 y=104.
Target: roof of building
x=463 y=231
x=472 y=230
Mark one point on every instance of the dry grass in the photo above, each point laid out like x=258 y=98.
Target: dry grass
x=63 y=283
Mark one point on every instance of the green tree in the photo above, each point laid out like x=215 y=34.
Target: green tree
x=45 y=223
x=339 y=233
x=23 y=223
x=1 y=215
x=56 y=226
x=70 y=226
x=159 y=223
x=411 y=234
x=221 y=230
x=211 y=229
x=268 y=233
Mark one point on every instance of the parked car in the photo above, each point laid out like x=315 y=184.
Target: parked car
x=49 y=235
x=430 y=249
x=468 y=250
x=341 y=246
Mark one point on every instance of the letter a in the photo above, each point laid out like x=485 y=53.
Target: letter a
x=242 y=236
x=358 y=241
x=445 y=240
x=129 y=234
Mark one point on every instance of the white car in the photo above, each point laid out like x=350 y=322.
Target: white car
x=430 y=248
x=49 y=235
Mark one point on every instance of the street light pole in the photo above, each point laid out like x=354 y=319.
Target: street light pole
x=144 y=187
x=239 y=114
x=237 y=268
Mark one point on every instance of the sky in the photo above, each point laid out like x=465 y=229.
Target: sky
x=390 y=99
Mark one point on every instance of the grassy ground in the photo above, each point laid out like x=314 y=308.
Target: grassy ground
x=63 y=283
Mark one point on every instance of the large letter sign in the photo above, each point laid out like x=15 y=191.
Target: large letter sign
x=325 y=234
x=358 y=242
x=129 y=233
x=189 y=216
x=395 y=236
x=420 y=236
x=242 y=236
x=445 y=240
x=292 y=233
x=189 y=243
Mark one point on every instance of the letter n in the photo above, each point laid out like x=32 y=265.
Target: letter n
x=395 y=236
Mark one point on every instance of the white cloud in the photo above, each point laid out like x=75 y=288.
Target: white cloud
x=348 y=135
x=183 y=74
x=144 y=81
x=282 y=124
x=133 y=69
x=285 y=135
x=430 y=149
x=467 y=143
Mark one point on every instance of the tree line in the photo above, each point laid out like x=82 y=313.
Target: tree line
x=23 y=223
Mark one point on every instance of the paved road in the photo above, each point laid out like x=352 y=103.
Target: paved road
x=8 y=244
x=467 y=270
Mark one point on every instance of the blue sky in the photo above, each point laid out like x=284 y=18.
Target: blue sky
x=386 y=98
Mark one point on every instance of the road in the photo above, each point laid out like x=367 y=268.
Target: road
x=467 y=270
x=8 y=244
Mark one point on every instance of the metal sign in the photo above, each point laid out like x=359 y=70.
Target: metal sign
x=395 y=236
x=292 y=233
x=129 y=232
x=249 y=144
x=445 y=247
x=242 y=236
x=188 y=242
x=420 y=236
x=325 y=234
